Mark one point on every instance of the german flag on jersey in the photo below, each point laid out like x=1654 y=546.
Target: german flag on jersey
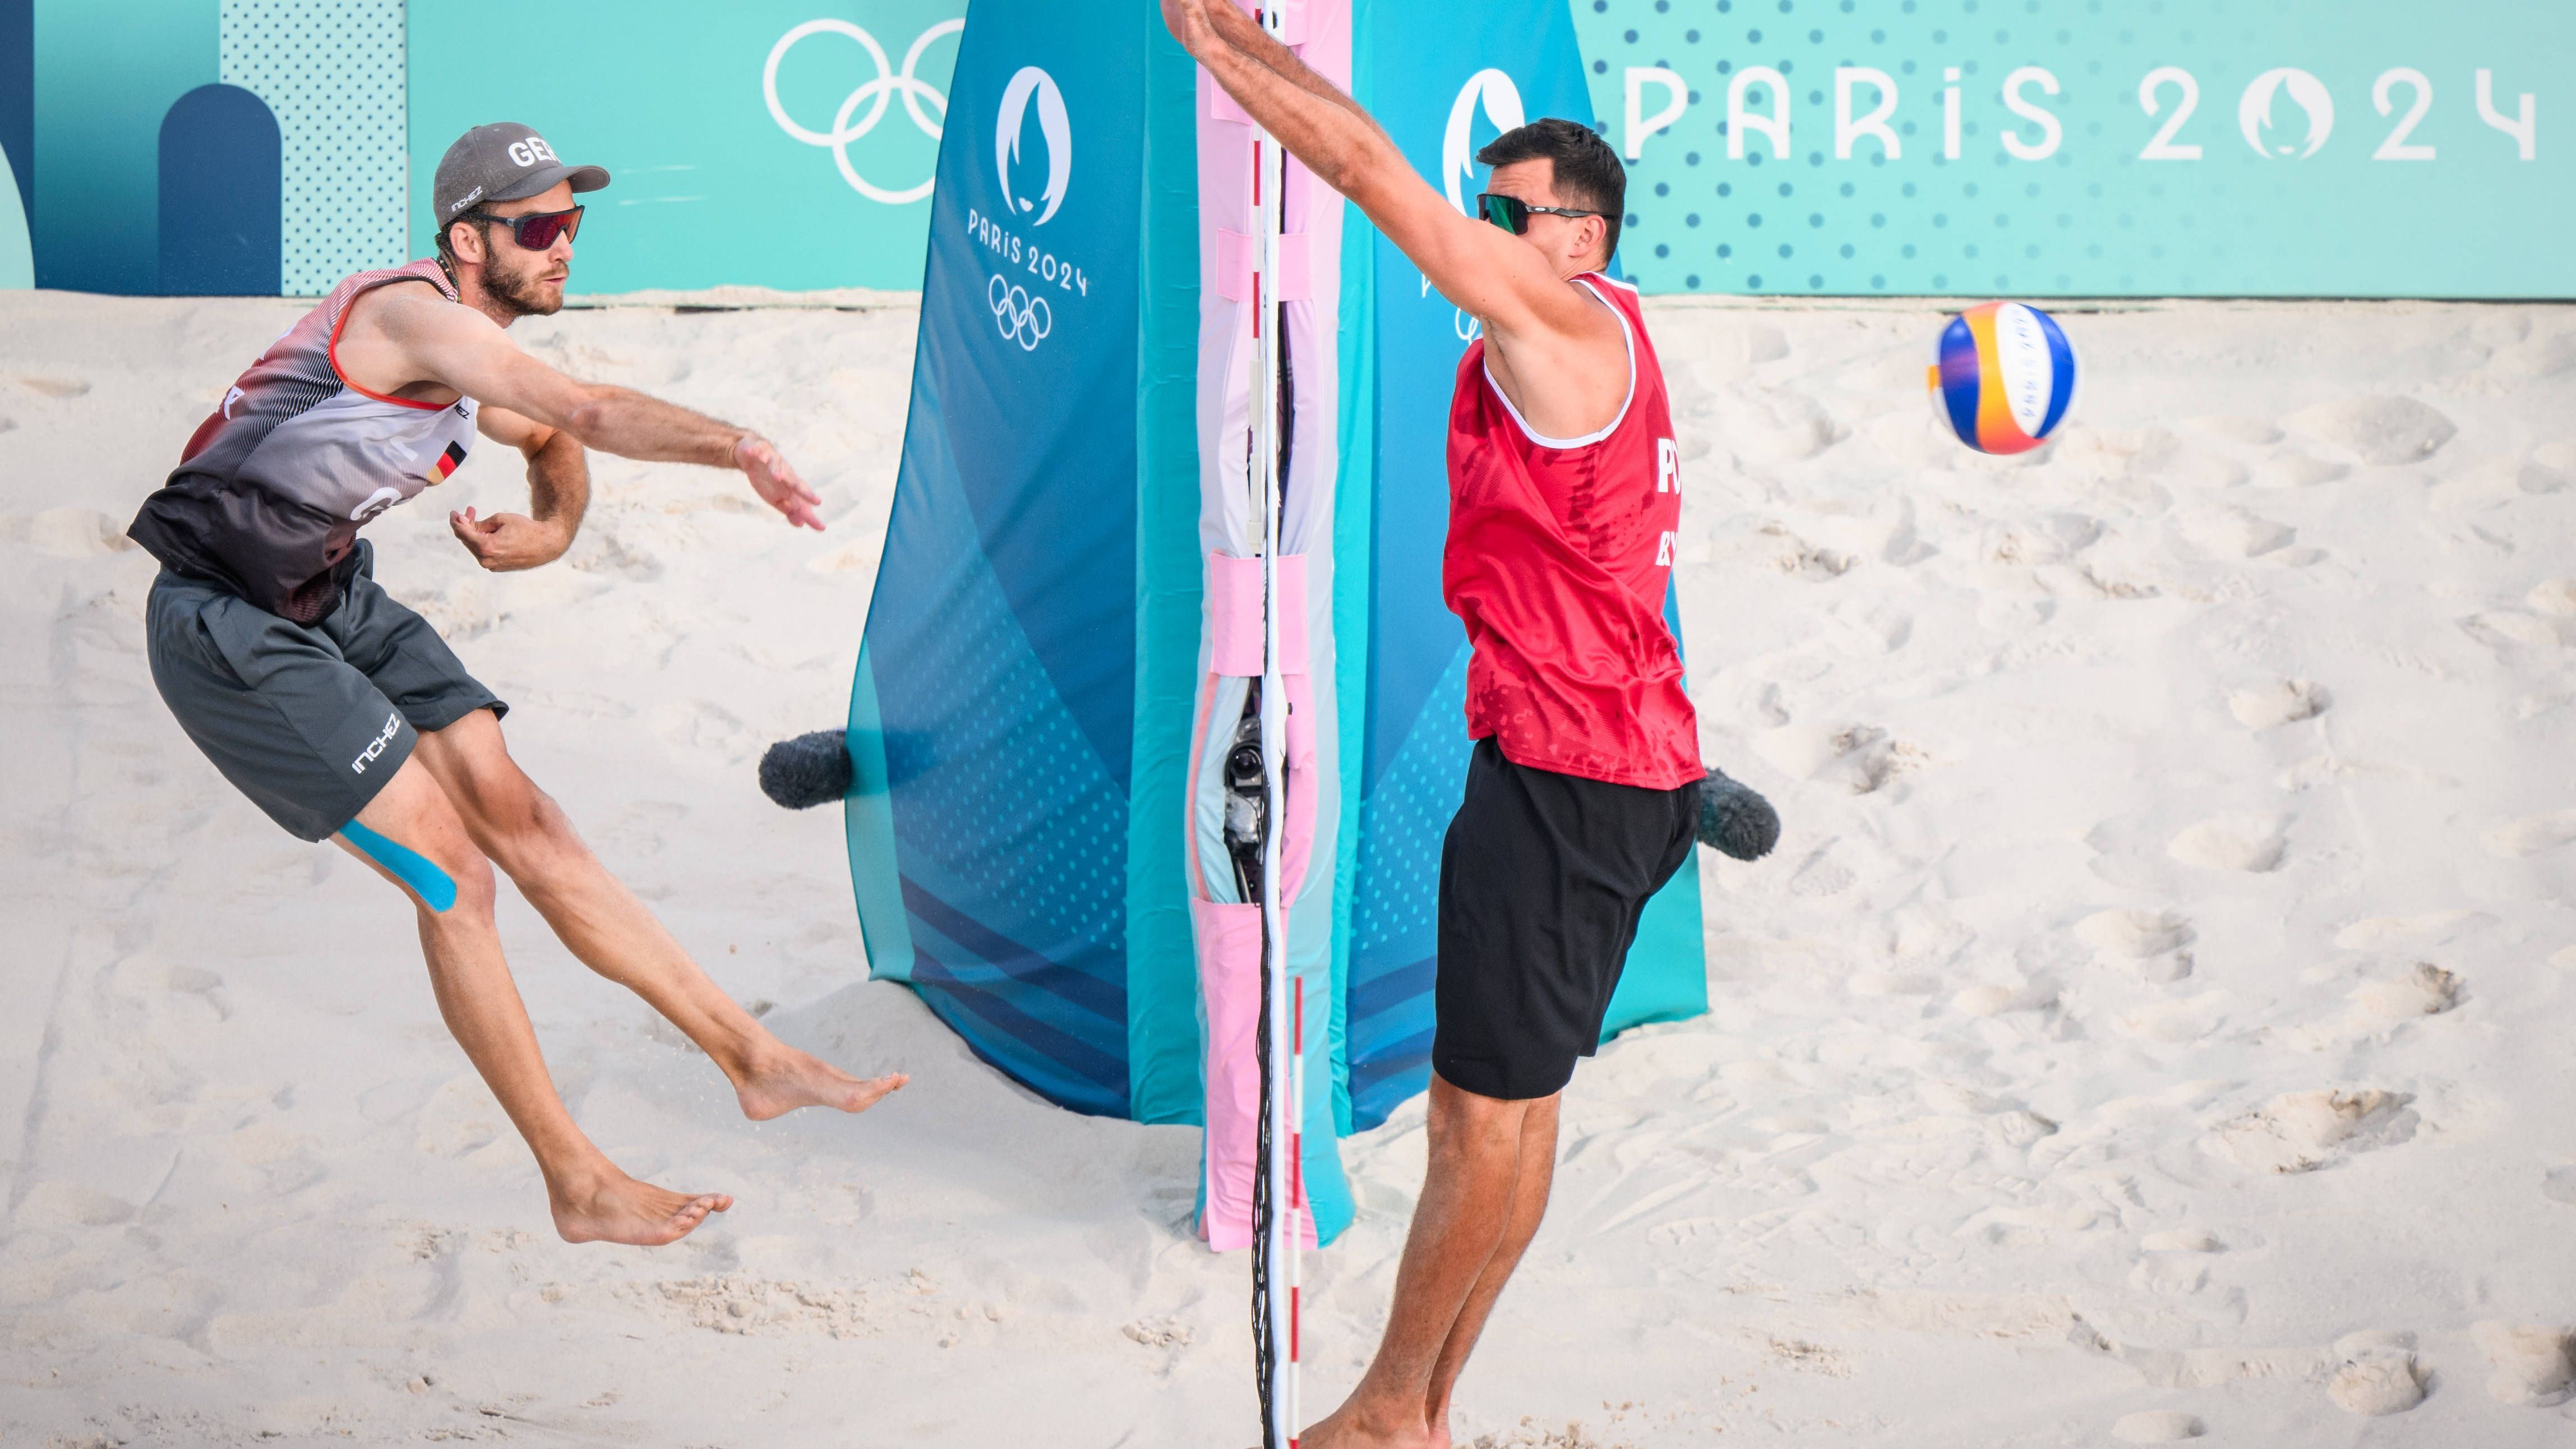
x=447 y=462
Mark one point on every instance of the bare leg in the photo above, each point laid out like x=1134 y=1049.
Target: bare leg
x=591 y=1199
x=1529 y=1205
x=1469 y=1195
x=600 y=921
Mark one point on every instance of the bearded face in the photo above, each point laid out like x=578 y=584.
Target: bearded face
x=529 y=284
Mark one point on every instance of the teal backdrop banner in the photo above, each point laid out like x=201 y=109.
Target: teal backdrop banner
x=774 y=143
x=2029 y=148
x=778 y=143
x=2037 y=148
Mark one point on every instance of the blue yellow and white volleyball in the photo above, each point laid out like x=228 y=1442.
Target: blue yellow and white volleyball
x=2002 y=376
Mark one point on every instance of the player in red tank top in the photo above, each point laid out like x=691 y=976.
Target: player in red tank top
x=1559 y=553
x=1583 y=791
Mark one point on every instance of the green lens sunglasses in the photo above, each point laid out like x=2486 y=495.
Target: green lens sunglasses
x=1512 y=214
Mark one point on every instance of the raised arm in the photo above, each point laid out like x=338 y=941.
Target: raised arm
x=1480 y=269
x=424 y=337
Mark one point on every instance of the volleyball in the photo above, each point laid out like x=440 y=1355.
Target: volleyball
x=2002 y=375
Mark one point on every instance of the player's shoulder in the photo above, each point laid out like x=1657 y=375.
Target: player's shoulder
x=402 y=294
x=414 y=307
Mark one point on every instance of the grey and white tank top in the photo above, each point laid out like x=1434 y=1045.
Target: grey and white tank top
x=268 y=498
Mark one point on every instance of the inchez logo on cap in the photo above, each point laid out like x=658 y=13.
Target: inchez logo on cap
x=531 y=151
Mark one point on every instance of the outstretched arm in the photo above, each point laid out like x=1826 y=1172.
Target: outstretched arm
x=1484 y=272
x=458 y=347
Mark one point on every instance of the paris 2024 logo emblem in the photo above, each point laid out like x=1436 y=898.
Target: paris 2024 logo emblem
x=1032 y=279
x=2254 y=112
x=1032 y=85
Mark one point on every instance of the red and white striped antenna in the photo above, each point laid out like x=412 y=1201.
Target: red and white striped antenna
x=1279 y=1196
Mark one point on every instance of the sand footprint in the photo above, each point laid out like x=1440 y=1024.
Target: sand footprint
x=2156 y=1426
x=699 y=724
x=2433 y=928
x=2531 y=835
x=1794 y=555
x=1993 y=998
x=2376 y=1007
x=2379 y=430
x=2534 y=1366
x=1861 y=757
x=2503 y=629
x=2151 y=943
x=2232 y=532
x=459 y=1117
x=2303 y=1131
x=2176 y=1022
x=70 y=1204
x=53 y=387
x=2291 y=468
x=2285 y=702
x=2250 y=843
x=2377 y=1374
x=2174 y=1262
x=68 y=532
x=2426 y=990
x=2050 y=538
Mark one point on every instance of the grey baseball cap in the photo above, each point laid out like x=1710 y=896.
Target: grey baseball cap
x=503 y=161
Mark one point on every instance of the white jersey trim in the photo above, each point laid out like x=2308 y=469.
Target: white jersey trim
x=1627 y=338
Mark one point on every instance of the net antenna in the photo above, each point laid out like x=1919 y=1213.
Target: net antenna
x=1279 y=1206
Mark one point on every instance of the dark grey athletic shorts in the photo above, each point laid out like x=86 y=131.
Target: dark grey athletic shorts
x=1542 y=879
x=309 y=722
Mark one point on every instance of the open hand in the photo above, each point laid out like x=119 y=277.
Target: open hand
x=776 y=482
x=506 y=542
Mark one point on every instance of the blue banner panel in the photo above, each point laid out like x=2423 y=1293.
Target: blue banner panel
x=997 y=694
x=104 y=76
x=1162 y=959
x=223 y=193
x=2347 y=148
x=18 y=98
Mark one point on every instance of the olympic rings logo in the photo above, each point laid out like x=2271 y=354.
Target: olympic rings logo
x=874 y=95
x=1023 y=319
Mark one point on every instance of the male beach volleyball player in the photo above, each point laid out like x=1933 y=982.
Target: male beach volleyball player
x=340 y=713
x=1581 y=797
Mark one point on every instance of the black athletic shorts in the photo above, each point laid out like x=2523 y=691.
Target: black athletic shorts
x=1542 y=879
x=309 y=721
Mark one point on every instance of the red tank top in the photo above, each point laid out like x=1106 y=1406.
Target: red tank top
x=1559 y=553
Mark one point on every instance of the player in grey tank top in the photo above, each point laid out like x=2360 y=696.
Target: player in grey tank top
x=344 y=716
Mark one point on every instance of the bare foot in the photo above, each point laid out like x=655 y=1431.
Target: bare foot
x=789 y=1079
x=618 y=1209
x=1349 y=1428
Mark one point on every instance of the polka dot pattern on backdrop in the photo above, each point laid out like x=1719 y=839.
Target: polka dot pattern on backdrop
x=332 y=72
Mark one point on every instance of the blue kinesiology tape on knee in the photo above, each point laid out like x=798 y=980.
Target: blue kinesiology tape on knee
x=434 y=886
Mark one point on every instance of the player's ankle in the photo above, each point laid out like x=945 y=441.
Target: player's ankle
x=580 y=1181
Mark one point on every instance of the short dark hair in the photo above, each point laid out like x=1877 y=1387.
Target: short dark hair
x=1587 y=170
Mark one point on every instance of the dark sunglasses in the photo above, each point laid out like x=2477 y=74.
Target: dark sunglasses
x=535 y=230
x=1512 y=214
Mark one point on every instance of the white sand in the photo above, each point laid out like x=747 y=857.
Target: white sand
x=2155 y=1024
